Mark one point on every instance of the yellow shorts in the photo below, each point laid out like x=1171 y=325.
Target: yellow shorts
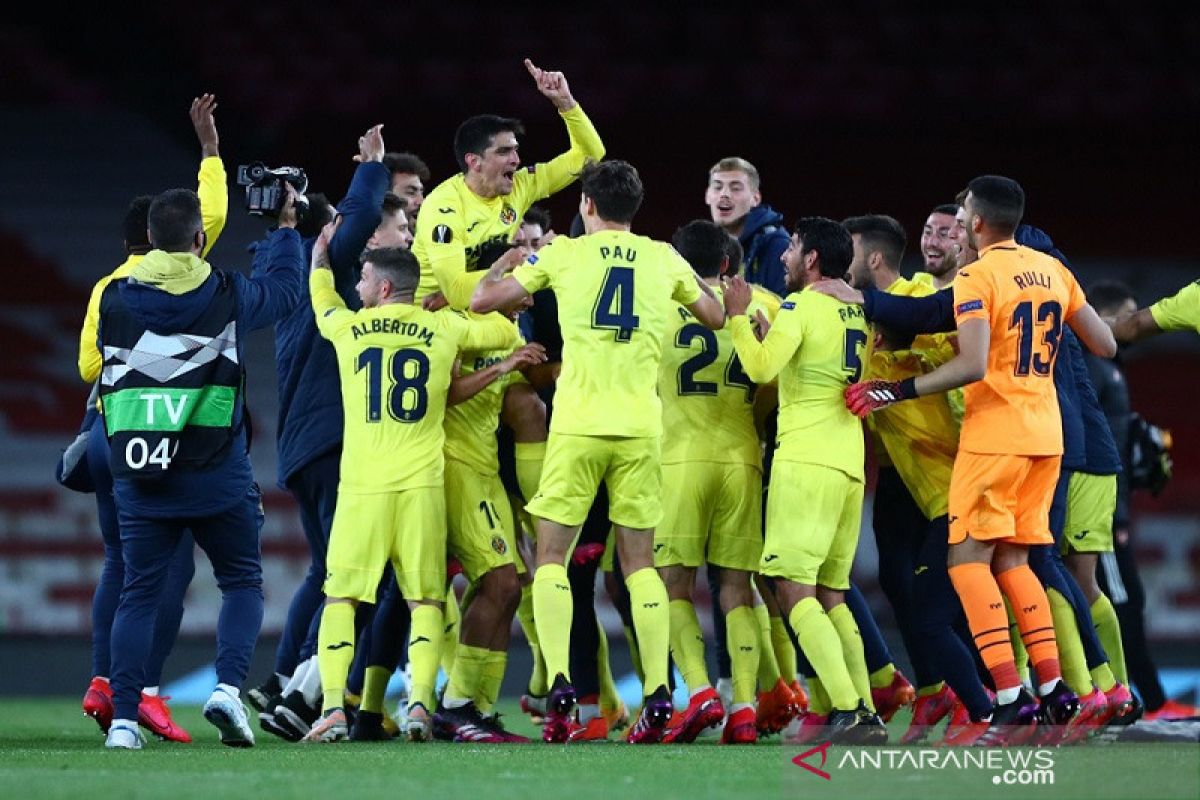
x=712 y=513
x=610 y=549
x=575 y=466
x=1000 y=497
x=406 y=528
x=479 y=521
x=1091 y=503
x=813 y=519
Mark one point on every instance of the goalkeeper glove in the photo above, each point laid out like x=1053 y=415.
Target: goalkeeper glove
x=863 y=398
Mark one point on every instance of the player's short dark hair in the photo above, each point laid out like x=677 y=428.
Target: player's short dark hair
x=958 y=200
x=704 y=245
x=396 y=264
x=947 y=208
x=476 y=134
x=173 y=220
x=895 y=338
x=1106 y=296
x=999 y=201
x=615 y=187
x=830 y=240
x=880 y=234
x=393 y=203
x=136 y=240
x=736 y=253
x=320 y=214
x=537 y=215
x=406 y=164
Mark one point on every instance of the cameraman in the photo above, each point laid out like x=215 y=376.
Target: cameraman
x=1118 y=573
x=179 y=453
x=309 y=435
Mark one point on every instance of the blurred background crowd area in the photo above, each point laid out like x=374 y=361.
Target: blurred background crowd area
x=848 y=108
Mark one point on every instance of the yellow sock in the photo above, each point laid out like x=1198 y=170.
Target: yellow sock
x=1070 y=649
x=537 y=680
x=529 y=457
x=882 y=677
x=785 y=651
x=552 y=611
x=926 y=691
x=648 y=603
x=1103 y=677
x=424 y=653
x=635 y=653
x=610 y=699
x=768 y=665
x=818 y=698
x=823 y=647
x=1020 y=654
x=375 y=683
x=852 y=651
x=451 y=618
x=687 y=645
x=490 y=679
x=463 y=683
x=741 y=637
x=1108 y=628
x=335 y=651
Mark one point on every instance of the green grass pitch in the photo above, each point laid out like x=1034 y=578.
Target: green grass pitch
x=49 y=750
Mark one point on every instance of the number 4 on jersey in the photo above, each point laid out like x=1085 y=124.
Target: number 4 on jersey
x=614 y=306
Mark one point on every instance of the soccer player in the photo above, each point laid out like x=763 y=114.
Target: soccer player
x=921 y=441
x=487 y=200
x=734 y=199
x=395 y=361
x=174 y=415
x=1010 y=307
x=1118 y=575
x=153 y=712
x=482 y=538
x=615 y=293
x=815 y=502
x=898 y=521
x=309 y=434
x=408 y=178
x=1179 y=312
x=940 y=247
x=712 y=494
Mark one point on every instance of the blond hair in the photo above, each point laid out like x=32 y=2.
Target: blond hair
x=737 y=164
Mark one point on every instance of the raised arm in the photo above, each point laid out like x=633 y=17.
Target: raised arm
x=585 y=142
x=359 y=210
x=497 y=289
x=761 y=361
x=213 y=188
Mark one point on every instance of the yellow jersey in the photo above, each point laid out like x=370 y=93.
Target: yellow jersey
x=214 y=208
x=1179 y=312
x=616 y=294
x=457 y=224
x=707 y=400
x=815 y=347
x=471 y=425
x=920 y=436
x=395 y=362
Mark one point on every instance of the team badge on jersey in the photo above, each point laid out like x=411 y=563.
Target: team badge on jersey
x=499 y=545
x=508 y=215
x=442 y=234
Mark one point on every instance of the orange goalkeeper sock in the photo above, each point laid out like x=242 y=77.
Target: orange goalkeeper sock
x=1032 y=610
x=984 y=607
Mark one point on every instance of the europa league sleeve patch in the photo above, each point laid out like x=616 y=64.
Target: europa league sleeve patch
x=442 y=234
